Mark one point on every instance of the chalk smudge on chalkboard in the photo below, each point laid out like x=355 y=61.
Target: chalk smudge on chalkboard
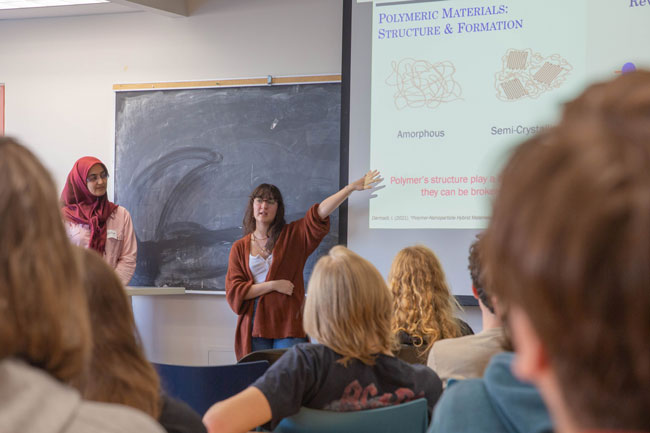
x=186 y=161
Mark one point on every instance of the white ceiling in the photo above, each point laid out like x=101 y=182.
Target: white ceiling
x=174 y=8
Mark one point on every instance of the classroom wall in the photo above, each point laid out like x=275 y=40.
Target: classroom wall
x=59 y=74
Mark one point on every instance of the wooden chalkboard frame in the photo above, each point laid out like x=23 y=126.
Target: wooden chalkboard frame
x=231 y=82
x=343 y=144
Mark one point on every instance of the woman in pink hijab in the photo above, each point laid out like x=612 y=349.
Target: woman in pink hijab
x=94 y=222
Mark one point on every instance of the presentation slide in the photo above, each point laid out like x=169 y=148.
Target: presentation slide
x=457 y=83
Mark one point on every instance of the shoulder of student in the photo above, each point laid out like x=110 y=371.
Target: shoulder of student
x=112 y=418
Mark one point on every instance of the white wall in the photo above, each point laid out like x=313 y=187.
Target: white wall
x=59 y=74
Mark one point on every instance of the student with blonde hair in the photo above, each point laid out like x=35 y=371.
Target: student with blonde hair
x=348 y=311
x=423 y=306
x=45 y=337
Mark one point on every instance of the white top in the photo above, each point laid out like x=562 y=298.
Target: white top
x=465 y=357
x=259 y=267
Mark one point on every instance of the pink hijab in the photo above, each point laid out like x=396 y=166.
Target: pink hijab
x=80 y=206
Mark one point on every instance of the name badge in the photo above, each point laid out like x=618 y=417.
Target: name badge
x=111 y=234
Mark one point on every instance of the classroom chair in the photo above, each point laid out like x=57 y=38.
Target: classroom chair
x=270 y=355
x=412 y=354
x=408 y=417
x=201 y=387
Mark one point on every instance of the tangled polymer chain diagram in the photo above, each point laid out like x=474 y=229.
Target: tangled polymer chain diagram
x=525 y=74
x=420 y=83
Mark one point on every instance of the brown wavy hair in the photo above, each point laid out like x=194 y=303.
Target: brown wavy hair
x=569 y=244
x=119 y=371
x=43 y=314
x=348 y=307
x=423 y=306
x=265 y=191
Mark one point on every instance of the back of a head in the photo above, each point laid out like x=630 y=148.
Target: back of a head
x=348 y=306
x=43 y=317
x=119 y=371
x=476 y=273
x=423 y=305
x=569 y=243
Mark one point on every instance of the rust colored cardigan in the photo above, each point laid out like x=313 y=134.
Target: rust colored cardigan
x=277 y=315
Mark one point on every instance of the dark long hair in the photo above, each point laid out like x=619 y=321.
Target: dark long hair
x=119 y=371
x=265 y=191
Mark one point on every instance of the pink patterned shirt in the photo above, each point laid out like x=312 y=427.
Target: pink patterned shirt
x=121 y=247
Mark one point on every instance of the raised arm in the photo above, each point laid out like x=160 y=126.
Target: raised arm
x=332 y=202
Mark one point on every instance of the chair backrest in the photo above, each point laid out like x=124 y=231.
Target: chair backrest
x=412 y=354
x=270 y=355
x=410 y=417
x=201 y=387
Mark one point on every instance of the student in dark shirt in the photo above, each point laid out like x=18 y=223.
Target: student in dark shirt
x=348 y=310
x=118 y=370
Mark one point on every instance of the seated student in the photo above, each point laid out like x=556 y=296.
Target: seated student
x=568 y=248
x=348 y=310
x=118 y=370
x=467 y=357
x=498 y=402
x=45 y=337
x=423 y=305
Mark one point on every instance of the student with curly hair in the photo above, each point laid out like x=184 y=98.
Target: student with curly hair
x=423 y=306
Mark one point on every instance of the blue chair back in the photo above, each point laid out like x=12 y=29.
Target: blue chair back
x=408 y=417
x=201 y=387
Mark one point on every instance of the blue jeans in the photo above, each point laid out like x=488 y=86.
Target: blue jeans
x=261 y=343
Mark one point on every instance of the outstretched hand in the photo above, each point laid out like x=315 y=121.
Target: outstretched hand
x=368 y=181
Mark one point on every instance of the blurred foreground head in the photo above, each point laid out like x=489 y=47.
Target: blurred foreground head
x=568 y=248
x=43 y=312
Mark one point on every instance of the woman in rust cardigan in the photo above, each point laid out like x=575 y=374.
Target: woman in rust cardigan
x=264 y=283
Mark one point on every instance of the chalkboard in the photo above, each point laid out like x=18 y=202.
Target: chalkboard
x=187 y=160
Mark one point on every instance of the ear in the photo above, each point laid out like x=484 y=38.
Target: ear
x=474 y=292
x=531 y=359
